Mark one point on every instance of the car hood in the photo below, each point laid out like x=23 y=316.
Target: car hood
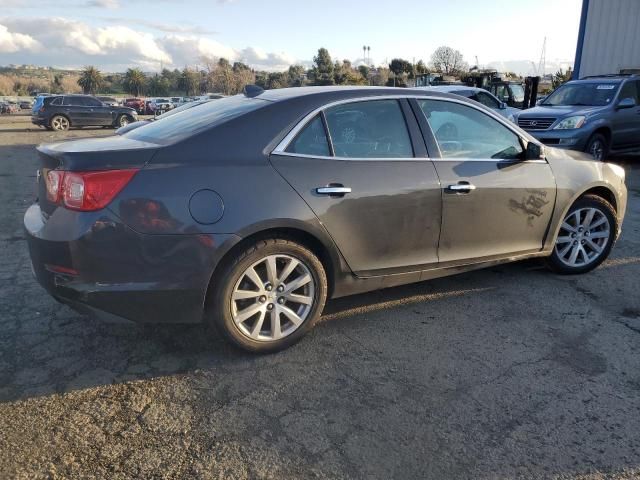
x=557 y=112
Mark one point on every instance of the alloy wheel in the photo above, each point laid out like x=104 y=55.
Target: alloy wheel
x=583 y=237
x=60 y=123
x=273 y=298
x=596 y=149
x=124 y=121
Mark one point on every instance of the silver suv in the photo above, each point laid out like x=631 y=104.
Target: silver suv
x=598 y=115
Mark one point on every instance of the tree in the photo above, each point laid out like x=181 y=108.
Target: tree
x=364 y=71
x=323 y=68
x=421 y=68
x=90 y=80
x=561 y=77
x=448 y=61
x=297 y=75
x=189 y=82
x=134 y=81
x=158 y=86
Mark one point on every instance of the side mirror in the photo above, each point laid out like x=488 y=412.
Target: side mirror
x=626 y=103
x=502 y=106
x=534 y=151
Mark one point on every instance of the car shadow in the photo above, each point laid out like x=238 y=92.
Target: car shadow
x=51 y=349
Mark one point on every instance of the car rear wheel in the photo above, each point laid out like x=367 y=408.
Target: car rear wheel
x=60 y=123
x=598 y=147
x=586 y=236
x=268 y=296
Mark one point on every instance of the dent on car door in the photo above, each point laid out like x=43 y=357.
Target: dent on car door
x=494 y=203
x=379 y=203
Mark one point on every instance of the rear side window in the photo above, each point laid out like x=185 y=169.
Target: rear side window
x=171 y=129
x=369 y=129
x=464 y=132
x=312 y=140
x=55 y=101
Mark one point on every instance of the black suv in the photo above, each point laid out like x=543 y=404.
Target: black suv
x=60 y=112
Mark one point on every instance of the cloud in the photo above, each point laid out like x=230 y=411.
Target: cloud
x=73 y=44
x=111 y=4
x=14 y=42
x=163 y=27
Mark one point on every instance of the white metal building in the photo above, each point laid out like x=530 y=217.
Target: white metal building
x=609 y=38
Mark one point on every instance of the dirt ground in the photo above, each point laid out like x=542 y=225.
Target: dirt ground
x=510 y=372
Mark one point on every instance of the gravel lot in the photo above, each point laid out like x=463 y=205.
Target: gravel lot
x=502 y=373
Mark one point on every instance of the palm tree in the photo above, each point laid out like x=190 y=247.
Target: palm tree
x=134 y=81
x=90 y=80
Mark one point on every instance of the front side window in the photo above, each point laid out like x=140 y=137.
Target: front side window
x=92 y=102
x=312 y=140
x=630 y=90
x=369 y=129
x=464 y=132
x=486 y=100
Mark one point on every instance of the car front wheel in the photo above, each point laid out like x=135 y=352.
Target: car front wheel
x=269 y=295
x=123 y=121
x=586 y=236
x=598 y=147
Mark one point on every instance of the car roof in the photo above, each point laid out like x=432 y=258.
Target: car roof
x=603 y=78
x=453 y=88
x=337 y=92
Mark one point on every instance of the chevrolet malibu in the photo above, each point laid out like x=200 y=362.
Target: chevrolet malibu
x=247 y=213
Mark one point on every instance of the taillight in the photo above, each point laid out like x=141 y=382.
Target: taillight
x=86 y=191
x=41 y=109
x=53 y=182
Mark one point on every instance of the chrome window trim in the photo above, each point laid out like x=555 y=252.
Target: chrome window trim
x=284 y=143
x=407 y=159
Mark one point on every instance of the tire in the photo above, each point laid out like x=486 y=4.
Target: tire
x=59 y=123
x=122 y=121
x=248 y=319
x=598 y=147
x=572 y=238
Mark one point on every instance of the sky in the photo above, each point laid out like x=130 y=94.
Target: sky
x=116 y=34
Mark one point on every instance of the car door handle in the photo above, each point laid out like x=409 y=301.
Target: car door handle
x=461 y=187
x=333 y=190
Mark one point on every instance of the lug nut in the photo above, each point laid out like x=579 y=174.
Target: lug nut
x=281 y=300
x=268 y=287
x=573 y=235
x=270 y=306
x=575 y=243
x=281 y=288
x=582 y=242
x=262 y=299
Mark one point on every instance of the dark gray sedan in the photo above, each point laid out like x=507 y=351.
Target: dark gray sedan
x=250 y=211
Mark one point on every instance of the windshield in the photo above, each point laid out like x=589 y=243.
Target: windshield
x=517 y=91
x=584 y=94
x=173 y=128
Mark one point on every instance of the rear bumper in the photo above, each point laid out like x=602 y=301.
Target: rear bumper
x=94 y=263
x=36 y=120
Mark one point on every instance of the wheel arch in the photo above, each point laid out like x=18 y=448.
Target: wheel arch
x=600 y=189
x=312 y=238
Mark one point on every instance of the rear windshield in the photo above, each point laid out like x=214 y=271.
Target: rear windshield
x=583 y=94
x=170 y=129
